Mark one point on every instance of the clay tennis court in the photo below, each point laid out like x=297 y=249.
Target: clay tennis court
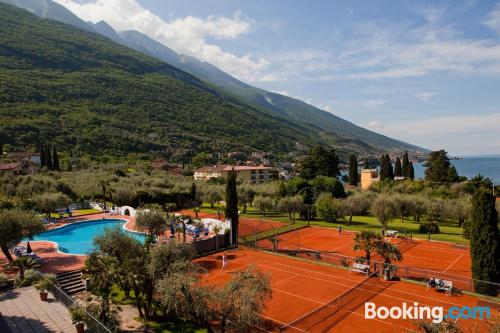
x=306 y=294
x=442 y=257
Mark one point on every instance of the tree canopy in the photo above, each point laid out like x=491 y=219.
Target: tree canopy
x=439 y=168
x=319 y=162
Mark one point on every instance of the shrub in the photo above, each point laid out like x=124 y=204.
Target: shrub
x=31 y=276
x=3 y=279
x=426 y=228
x=78 y=315
x=44 y=284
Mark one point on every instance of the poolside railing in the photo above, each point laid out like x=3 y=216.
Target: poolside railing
x=93 y=325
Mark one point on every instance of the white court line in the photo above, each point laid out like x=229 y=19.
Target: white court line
x=453 y=263
x=349 y=286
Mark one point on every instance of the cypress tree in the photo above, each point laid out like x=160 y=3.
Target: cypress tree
x=367 y=164
x=383 y=168
x=353 y=171
x=405 y=168
x=485 y=242
x=411 y=171
x=48 y=158
x=389 y=169
x=55 y=160
x=43 y=156
x=193 y=192
x=397 y=168
x=232 y=204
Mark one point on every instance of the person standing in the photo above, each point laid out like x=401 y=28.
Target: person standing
x=224 y=263
x=340 y=230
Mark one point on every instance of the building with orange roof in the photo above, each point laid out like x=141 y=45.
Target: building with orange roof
x=244 y=173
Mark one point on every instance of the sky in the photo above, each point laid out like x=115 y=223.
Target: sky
x=425 y=72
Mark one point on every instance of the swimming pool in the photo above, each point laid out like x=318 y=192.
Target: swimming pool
x=77 y=238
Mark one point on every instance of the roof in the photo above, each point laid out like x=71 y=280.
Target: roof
x=10 y=166
x=220 y=168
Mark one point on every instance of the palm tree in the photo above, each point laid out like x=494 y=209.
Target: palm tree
x=216 y=229
x=100 y=269
x=23 y=263
x=388 y=253
x=366 y=241
x=104 y=184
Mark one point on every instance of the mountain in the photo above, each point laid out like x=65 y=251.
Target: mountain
x=344 y=132
x=106 y=30
x=86 y=94
x=340 y=133
x=50 y=10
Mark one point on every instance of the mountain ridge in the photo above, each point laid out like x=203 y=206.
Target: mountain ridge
x=340 y=132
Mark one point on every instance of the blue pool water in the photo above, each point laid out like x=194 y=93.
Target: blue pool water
x=77 y=238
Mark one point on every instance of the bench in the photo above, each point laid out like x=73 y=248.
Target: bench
x=440 y=285
x=360 y=268
x=391 y=233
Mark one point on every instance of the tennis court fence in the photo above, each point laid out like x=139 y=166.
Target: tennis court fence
x=462 y=283
x=254 y=231
x=325 y=317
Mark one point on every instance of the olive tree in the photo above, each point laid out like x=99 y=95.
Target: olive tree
x=291 y=205
x=239 y=303
x=49 y=202
x=15 y=225
x=356 y=204
x=384 y=210
x=263 y=204
x=213 y=195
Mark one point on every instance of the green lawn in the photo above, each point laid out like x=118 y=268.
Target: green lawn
x=449 y=230
x=86 y=211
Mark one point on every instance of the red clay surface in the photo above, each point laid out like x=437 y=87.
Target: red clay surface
x=300 y=287
x=247 y=226
x=433 y=256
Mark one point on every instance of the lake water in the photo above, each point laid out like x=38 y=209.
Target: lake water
x=488 y=166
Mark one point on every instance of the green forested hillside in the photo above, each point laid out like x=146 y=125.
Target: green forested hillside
x=82 y=92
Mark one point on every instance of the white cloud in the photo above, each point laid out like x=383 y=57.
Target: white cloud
x=281 y=92
x=326 y=107
x=493 y=19
x=460 y=134
x=375 y=125
x=184 y=35
x=382 y=50
x=426 y=96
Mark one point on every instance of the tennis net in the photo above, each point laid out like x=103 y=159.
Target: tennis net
x=327 y=316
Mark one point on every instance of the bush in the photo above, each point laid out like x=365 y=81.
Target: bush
x=44 y=284
x=3 y=279
x=31 y=276
x=78 y=315
x=424 y=228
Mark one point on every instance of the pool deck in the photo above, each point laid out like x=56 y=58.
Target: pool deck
x=58 y=262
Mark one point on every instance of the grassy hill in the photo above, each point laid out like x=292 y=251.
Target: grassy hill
x=83 y=92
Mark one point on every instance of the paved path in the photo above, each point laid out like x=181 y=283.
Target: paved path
x=24 y=312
